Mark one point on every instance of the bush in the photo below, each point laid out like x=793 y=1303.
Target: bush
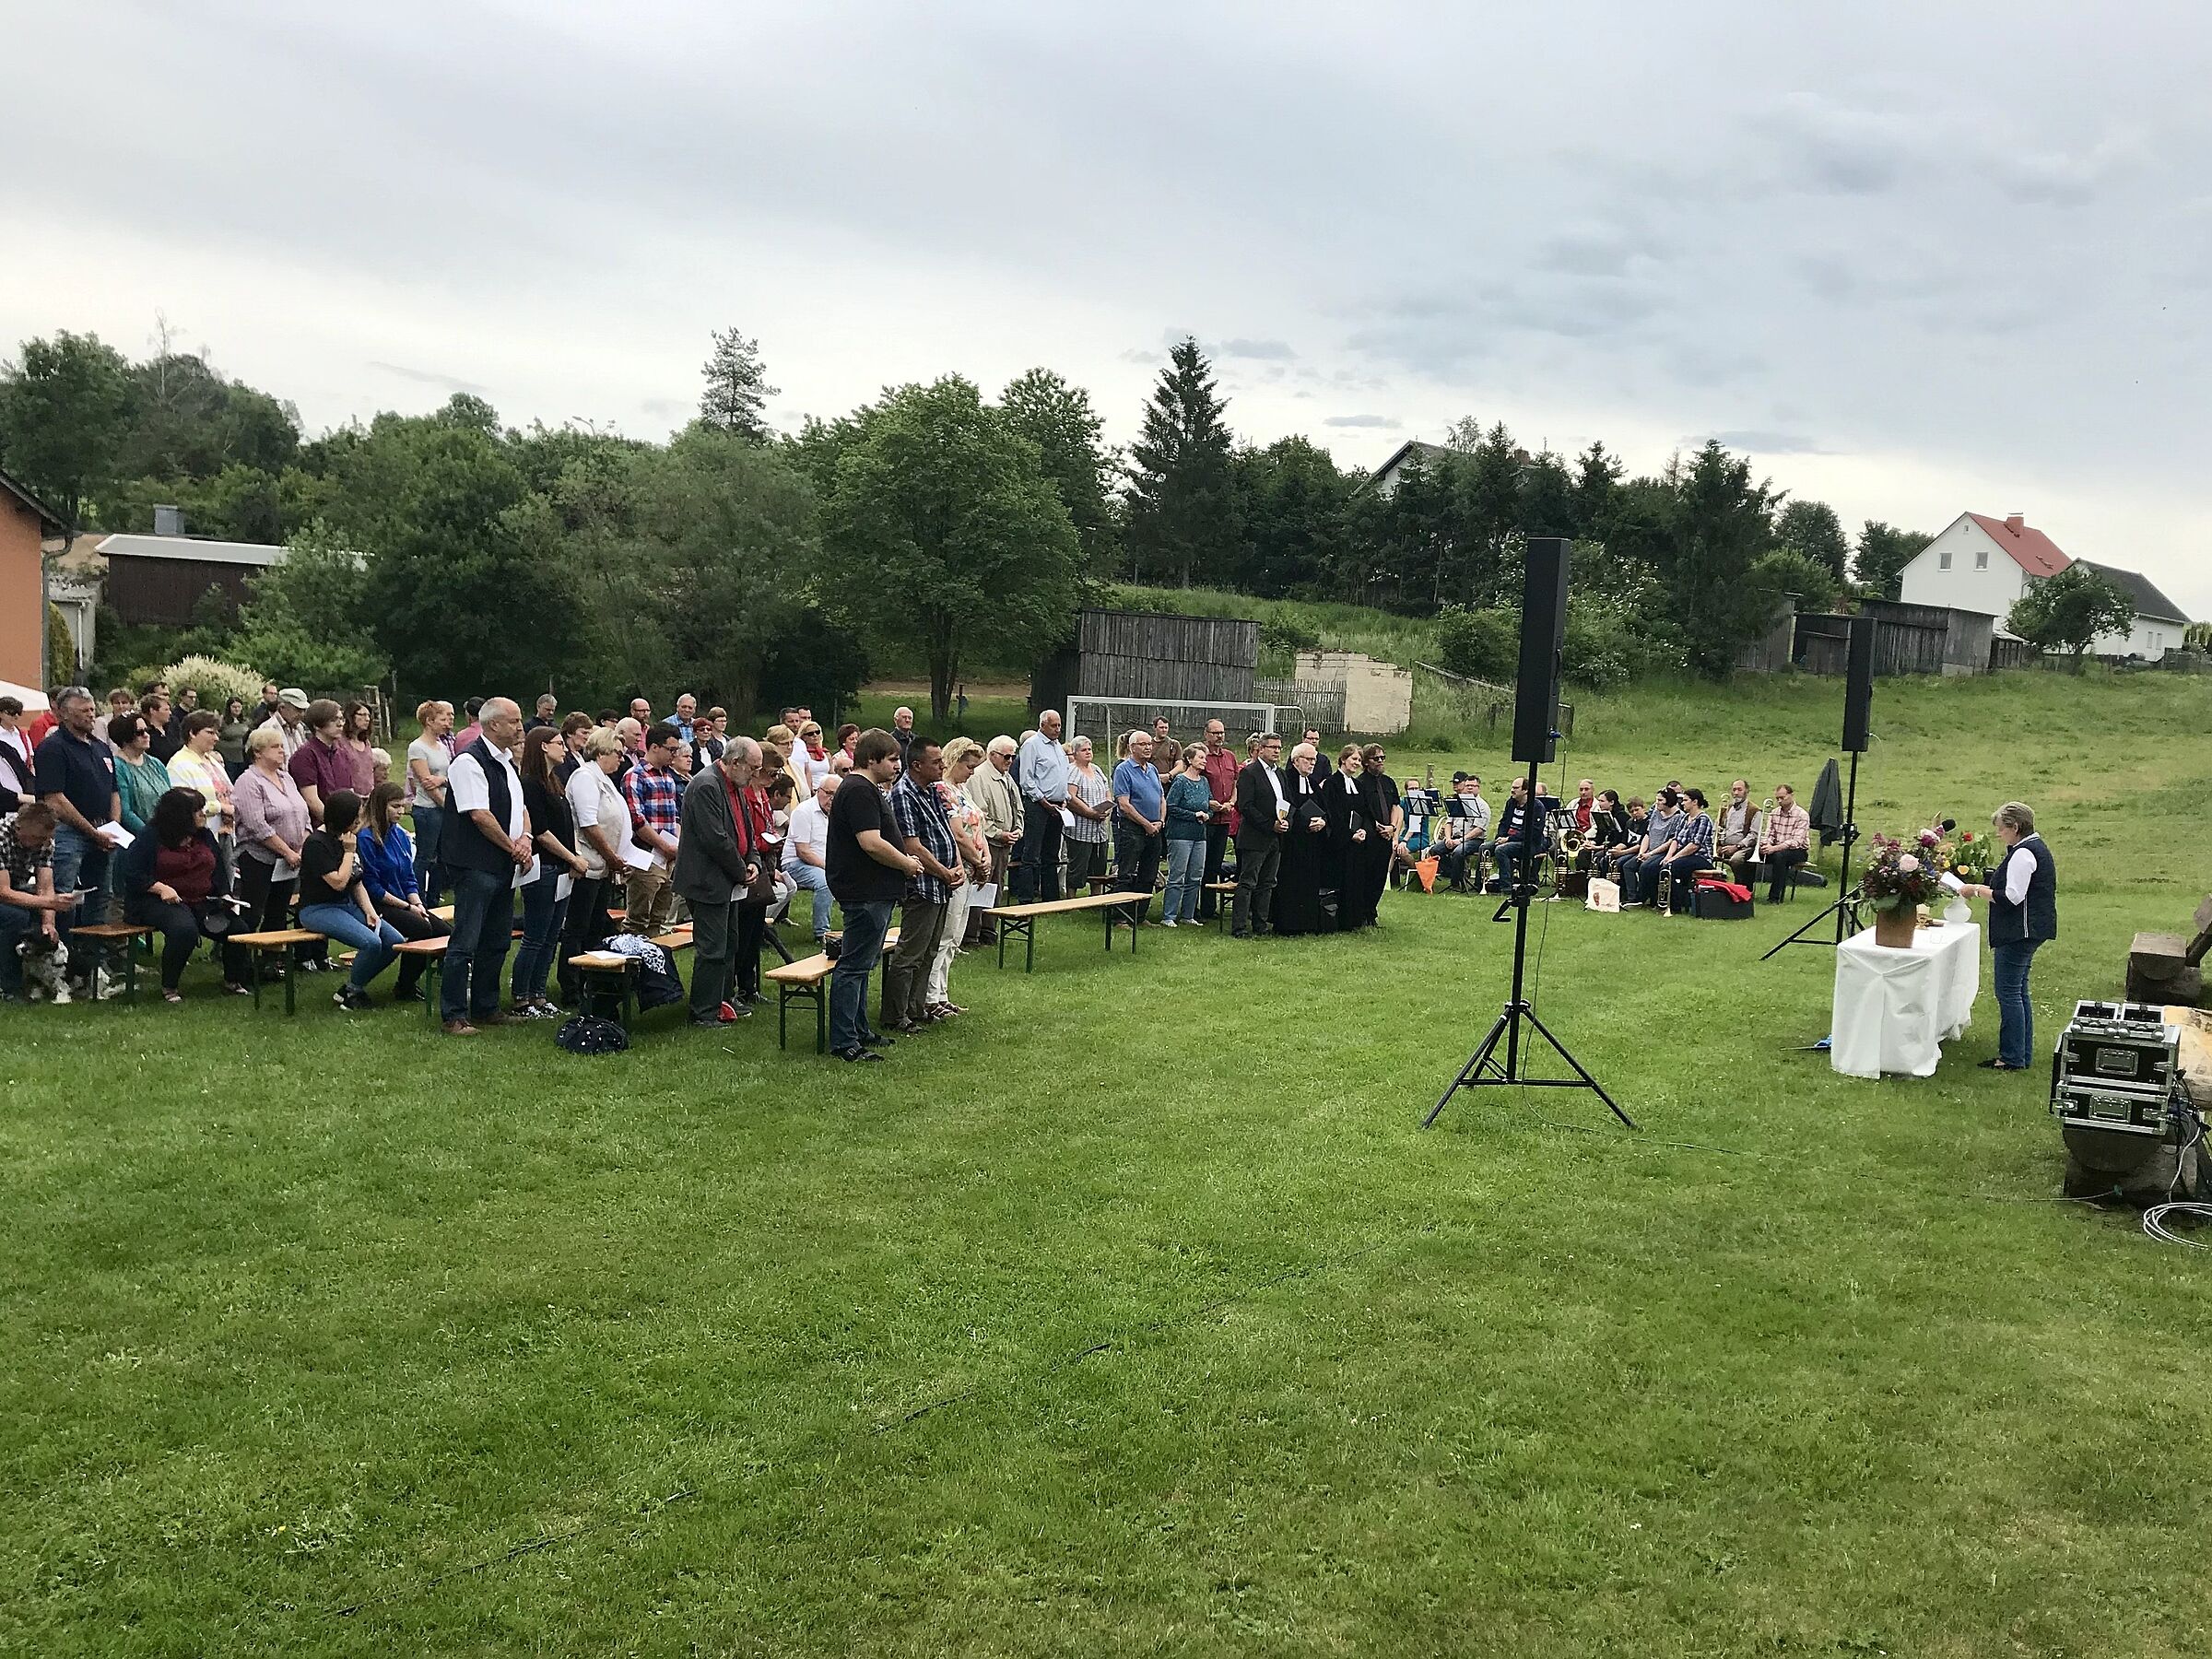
x=216 y=682
x=1290 y=635
x=1478 y=644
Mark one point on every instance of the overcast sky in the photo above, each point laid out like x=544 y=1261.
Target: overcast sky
x=1916 y=260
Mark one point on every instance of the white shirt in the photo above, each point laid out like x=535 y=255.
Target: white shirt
x=813 y=771
x=809 y=828
x=1274 y=782
x=292 y=736
x=2019 y=872
x=466 y=789
x=597 y=803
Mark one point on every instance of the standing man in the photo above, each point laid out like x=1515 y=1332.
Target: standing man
x=1042 y=774
x=867 y=874
x=1262 y=811
x=1140 y=816
x=713 y=868
x=166 y=739
x=487 y=847
x=993 y=789
x=289 y=719
x=902 y=731
x=1321 y=756
x=656 y=797
x=641 y=710
x=318 y=766
x=1221 y=784
x=547 y=706
x=925 y=834
x=77 y=778
x=687 y=711
x=265 y=710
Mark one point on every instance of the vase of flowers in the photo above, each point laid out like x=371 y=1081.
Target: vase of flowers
x=1899 y=879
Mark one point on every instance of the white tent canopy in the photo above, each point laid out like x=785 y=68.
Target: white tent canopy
x=32 y=699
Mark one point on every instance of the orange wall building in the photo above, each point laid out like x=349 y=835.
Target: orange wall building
x=24 y=522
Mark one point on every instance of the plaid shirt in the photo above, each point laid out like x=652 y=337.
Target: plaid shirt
x=654 y=798
x=1696 y=835
x=22 y=862
x=918 y=813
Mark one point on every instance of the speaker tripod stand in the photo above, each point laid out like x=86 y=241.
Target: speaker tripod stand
x=1484 y=1069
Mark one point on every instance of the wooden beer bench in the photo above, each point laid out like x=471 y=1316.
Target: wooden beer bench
x=1223 y=891
x=279 y=941
x=806 y=981
x=605 y=975
x=129 y=932
x=1022 y=919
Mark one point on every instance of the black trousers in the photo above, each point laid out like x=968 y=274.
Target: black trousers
x=1136 y=862
x=752 y=921
x=179 y=928
x=268 y=907
x=411 y=926
x=1782 y=865
x=586 y=923
x=1258 y=858
x=1039 y=877
x=1217 y=854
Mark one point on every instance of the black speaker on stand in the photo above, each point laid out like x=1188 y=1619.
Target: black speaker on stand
x=1535 y=741
x=1858 y=710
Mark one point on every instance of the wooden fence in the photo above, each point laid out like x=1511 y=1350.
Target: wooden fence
x=1175 y=659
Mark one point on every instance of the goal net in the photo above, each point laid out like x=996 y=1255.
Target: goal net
x=1105 y=719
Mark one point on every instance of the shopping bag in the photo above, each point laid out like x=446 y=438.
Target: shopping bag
x=1605 y=895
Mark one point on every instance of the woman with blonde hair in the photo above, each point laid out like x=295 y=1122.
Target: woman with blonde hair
x=428 y=757
x=962 y=755
x=2022 y=892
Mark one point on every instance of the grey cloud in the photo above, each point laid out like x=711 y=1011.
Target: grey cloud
x=426 y=377
x=1144 y=358
x=1760 y=442
x=1380 y=422
x=1274 y=351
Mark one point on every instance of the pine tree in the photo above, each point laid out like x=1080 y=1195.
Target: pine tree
x=1181 y=507
x=737 y=387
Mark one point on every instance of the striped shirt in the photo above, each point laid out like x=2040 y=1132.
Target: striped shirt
x=1094 y=789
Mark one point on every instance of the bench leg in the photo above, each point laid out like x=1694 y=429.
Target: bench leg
x=782 y=1011
x=1029 y=934
x=821 y=1018
x=291 y=980
x=1002 y=942
x=130 y=972
x=431 y=971
x=255 y=960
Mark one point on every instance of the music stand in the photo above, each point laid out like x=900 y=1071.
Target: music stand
x=1845 y=909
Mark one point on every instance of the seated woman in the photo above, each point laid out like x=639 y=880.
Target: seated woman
x=1693 y=852
x=334 y=901
x=168 y=874
x=388 y=871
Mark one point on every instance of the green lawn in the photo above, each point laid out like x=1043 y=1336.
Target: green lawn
x=1135 y=1313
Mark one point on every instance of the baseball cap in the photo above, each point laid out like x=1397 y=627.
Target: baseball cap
x=292 y=696
x=1461 y=777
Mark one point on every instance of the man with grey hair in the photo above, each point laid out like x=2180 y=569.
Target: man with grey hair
x=76 y=776
x=993 y=789
x=1040 y=773
x=902 y=732
x=1263 y=819
x=715 y=864
x=488 y=848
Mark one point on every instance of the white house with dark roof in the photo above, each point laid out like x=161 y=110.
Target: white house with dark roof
x=1985 y=564
x=1383 y=480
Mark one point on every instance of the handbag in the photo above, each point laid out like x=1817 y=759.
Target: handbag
x=217 y=917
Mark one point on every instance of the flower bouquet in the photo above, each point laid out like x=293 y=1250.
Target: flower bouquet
x=1969 y=858
x=1899 y=879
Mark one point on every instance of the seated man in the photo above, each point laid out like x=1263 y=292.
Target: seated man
x=29 y=905
x=1519 y=831
x=1460 y=831
x=806 y=852
x=1736 y=831
x=1784 y=842
x=1640 y=870
x=1623 y=839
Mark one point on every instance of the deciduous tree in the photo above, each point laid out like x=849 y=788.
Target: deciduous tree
x=64 y=411
x=2069 y=611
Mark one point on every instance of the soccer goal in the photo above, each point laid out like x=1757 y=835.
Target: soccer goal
x=1105 y=719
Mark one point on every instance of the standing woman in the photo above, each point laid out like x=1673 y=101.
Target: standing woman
x=167 y=874
x=230 y=739
x=428 y=758
x=962 y=755
x=1297 y=883
x=357 y=741
x=1386 y=811
x=602 y=818
x=140 y=779
x=272 y=827
x=2023 y=914
x=388 y=871
x=1090 y=800
x=546 y=895
x=1344 y=871
x=1190 y=812
x=197 y=766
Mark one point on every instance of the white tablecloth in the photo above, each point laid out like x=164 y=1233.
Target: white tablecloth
x=1896 y=1009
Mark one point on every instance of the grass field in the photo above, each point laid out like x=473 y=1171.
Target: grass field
x=1133 y=1313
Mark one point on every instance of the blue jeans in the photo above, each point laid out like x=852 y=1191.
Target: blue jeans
x=483 y=918
x=864 y=927
x=811 y=878
x=542 y=917
x=1640 y=879
x=81 y=861
x=430 y=875
x=1186 y=878
x=17 y=925
x=1507 y=855
x=1681 y=898
x=2016 y=1015
x=372 y=946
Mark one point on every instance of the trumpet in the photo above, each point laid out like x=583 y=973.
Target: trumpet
x=1766 y=806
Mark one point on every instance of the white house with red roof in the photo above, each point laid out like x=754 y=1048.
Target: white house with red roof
x=1985 y=564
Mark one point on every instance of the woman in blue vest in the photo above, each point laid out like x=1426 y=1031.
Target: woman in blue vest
x=2023 y=912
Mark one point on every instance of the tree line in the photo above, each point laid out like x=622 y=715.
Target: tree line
x=934 y=527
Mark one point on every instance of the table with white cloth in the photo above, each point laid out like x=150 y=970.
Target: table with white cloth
x=1895 y=1009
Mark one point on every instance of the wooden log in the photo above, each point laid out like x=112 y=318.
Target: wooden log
x=2202 y=942
x=2187 y=986
x=2157 y=956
